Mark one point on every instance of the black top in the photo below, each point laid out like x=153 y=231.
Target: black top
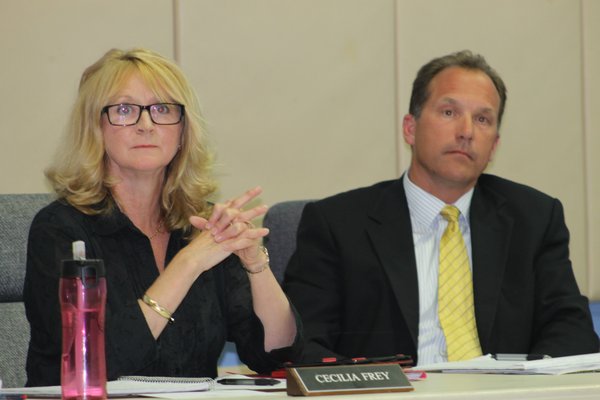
x=217 y=308
x=353 y=277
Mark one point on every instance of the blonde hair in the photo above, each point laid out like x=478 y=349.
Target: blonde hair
x=79 y=173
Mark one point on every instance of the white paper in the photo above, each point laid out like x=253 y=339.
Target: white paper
x=163 y=388
x=118 y=388
x=214 y=394
x=550 y=366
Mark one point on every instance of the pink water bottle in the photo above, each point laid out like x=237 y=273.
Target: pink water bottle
x=82 y=293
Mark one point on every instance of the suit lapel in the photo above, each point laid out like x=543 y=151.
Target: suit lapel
x=391 y=235
x=491 y=229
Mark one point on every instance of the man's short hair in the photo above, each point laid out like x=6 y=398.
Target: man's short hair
x=462 y=59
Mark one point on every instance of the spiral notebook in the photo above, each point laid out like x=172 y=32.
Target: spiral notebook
x=158 y=384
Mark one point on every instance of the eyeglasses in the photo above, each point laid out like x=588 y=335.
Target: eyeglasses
x=129 y=114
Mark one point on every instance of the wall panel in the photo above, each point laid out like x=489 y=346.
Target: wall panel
x=536 y=47
x=299 y=95
x=45 y=47
x=591 y=85
x=303 y=97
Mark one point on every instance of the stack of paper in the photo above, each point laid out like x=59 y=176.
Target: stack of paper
x=550 y=366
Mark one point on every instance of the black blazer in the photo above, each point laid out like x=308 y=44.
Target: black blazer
x=353 y=276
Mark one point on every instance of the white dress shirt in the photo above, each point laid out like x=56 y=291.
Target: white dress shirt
x=427 y=227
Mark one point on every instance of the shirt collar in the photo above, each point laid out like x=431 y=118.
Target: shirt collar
x=424 y=208
x=109 y=223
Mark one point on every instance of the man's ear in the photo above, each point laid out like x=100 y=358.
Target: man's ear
x=494 y=147
x=409 y=125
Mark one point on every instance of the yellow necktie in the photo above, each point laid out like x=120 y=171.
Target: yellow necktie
x=455 y=292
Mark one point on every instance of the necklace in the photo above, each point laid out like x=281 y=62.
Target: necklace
x=157 y=231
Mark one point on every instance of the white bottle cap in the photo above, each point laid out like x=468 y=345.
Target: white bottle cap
x=78 y=250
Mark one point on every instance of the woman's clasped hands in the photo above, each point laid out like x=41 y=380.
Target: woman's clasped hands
x=229 y=230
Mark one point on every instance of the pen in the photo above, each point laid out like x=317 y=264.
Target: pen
x=400 y=359
x=329 y=361
x=248 y=381
x=519 y=357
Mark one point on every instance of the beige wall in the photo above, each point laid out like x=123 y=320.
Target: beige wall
x=304 y=97
x=547 y=138
x=299 y=95
x=591 y=116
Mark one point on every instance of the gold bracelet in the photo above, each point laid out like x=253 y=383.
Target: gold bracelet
x=263 y=266
x=163 y=312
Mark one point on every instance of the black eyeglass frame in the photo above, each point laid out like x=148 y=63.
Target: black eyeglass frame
x=142 y=108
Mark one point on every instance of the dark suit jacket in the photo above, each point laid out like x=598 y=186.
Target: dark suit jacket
x=353 y=276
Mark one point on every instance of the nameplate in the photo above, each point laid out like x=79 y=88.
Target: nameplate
x=346 y=379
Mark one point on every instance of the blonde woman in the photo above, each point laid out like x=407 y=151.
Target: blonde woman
x=132 y=180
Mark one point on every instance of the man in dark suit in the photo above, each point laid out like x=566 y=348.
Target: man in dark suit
x=364 y=274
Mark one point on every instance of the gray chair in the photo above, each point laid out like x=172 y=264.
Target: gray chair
x=282 y=220
x=16 y=213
